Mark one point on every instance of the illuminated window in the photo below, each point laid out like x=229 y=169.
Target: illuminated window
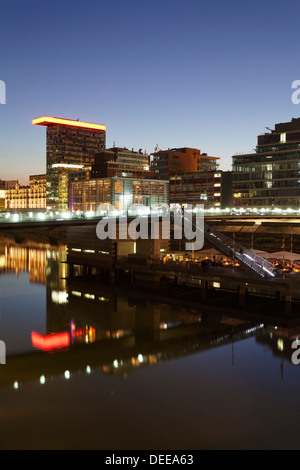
x=118 y=186
x=283 y=138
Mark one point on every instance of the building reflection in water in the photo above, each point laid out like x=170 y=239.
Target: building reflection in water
x=123 y=331
x=16 y=258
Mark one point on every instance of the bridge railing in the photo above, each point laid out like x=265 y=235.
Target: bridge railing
x=246 y=257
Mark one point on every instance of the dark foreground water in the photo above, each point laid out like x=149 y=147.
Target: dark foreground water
x=90 y=366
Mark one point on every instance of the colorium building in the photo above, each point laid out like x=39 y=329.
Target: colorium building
x=70 y=145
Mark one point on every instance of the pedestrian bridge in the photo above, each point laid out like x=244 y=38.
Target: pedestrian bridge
x=247 y=258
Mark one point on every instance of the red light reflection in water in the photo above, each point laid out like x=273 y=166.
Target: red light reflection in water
x=51 y=341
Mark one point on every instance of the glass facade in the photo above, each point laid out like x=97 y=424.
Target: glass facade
x=270 y=177
x=119 y=192
x=68 y=148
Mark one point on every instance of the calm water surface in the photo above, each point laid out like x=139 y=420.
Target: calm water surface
x=90 y=366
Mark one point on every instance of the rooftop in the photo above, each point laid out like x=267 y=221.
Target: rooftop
x=52 y=121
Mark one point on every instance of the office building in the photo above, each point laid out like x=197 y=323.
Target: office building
x=212 y=189
x=119 y=192
x=171 y=162
x=118 y=161
x=71 y=145
x=270 y=177
x=195 y=188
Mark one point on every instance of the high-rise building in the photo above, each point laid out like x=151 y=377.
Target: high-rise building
x=270 y=177
x=70 y=145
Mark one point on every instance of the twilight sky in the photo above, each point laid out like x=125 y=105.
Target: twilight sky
x=210 y=75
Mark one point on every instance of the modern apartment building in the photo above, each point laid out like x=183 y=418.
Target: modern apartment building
x=212 y=189
x=195 y=188
x=118 y=161
x=171 y=162
x=270 y=177
x=71 y=145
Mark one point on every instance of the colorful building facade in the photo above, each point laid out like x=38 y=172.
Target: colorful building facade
x=71 y=145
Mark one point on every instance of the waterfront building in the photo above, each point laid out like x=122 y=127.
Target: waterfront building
x=172 y=162
x=37 y=192
x=195 y=188
x=118 y=161
x=270 y=177
x=4 y=185
x=2 y=195
x=71 y=145
x=32 y=196
x=226 y=189
x=212 y=189
x=120 y=192
x=17 y=197
x=82 y=174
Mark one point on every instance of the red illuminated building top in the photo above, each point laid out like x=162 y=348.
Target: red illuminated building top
x=51 y=121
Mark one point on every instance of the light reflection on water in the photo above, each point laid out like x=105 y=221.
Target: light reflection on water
x=90 y=366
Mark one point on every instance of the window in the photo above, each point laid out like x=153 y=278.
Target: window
x=283 y=138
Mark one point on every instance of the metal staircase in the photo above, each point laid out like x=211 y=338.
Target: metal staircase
x=247 y=258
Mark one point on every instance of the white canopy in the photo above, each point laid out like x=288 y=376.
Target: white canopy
x=286 y=255
x=211 y=251
x=262 y=253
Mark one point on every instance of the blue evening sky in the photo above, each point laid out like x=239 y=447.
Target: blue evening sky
x=205 y=74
